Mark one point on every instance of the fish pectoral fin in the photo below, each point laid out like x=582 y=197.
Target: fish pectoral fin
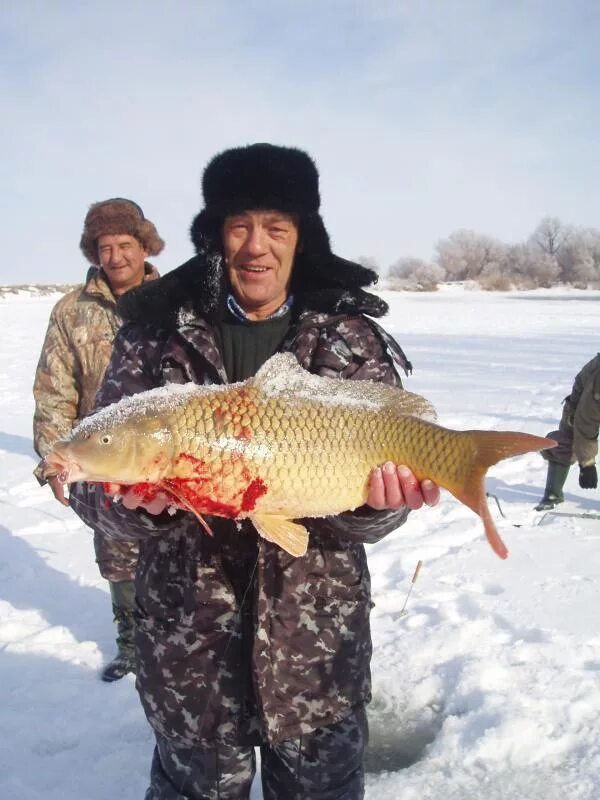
x=290 y=536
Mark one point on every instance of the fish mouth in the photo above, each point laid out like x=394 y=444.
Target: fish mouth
x=65 y=470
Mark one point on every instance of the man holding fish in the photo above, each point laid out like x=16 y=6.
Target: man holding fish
x=116 y=240
x=241 y=640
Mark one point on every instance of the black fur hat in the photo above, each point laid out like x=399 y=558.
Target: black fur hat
x=268 y=176
x=261 y=176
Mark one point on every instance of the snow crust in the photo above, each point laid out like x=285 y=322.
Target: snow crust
x=488 y=687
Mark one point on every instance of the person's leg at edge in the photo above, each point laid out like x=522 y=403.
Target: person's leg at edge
x=123 y=599
x=218 y=772
x=326 y=764
x=560 y=459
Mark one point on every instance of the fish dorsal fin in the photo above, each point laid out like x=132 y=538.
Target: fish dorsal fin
x=290 y=536
x=273 y=367
x=282 y=376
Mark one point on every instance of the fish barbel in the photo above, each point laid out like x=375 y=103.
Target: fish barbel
x=282 y=445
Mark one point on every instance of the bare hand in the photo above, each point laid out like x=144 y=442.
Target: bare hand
x=395 y=486
x=132 y=499
x=58 y=489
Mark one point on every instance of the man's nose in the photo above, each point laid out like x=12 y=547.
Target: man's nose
x=255 y=243
x=114 y=256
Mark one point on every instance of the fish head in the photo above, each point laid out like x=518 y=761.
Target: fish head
x=128 y=452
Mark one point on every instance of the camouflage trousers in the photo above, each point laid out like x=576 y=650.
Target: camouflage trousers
x=563 y=452
x=326 y=764
x=117 y=560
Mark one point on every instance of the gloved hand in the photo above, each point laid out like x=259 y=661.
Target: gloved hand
x=588 y=477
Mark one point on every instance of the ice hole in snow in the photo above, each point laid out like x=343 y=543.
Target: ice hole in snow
x=398 y=740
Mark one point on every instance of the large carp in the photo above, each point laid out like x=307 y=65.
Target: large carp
x=282 y=445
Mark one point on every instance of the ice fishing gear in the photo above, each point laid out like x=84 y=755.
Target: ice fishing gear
x=549 y=513
x=502 y=514
x=580 y=515
x=403 y=610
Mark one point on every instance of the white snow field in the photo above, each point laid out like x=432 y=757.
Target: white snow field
x=488 y=687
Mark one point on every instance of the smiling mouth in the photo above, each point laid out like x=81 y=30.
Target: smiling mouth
x=255 y=269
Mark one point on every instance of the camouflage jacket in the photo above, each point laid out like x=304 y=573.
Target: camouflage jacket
x=234 y=636
x=583 y=409
x=74 y=357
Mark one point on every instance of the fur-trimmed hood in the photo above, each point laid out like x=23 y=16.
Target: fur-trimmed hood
x=200 y=285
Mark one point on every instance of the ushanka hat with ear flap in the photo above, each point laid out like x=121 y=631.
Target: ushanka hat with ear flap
x=270 y=177
x=256 y=177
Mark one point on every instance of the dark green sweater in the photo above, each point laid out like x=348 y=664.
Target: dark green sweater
x=247 y=345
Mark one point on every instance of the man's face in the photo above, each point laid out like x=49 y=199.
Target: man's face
x=259 y=249
x=122 y=259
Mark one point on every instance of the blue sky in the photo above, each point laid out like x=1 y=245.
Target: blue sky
x=423 y=117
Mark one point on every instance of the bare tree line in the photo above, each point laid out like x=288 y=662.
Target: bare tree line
x=555 y=253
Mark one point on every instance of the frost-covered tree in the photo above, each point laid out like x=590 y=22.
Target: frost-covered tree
x=550 y=236
x=527 y=267
x=579 y=258
x=464 y=254
x=415 y=274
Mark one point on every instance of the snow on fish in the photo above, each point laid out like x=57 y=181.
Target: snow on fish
x=282 y=445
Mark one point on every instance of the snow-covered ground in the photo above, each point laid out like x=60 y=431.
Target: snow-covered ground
x=488 y=687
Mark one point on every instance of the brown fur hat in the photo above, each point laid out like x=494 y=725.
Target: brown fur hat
x=114 y=217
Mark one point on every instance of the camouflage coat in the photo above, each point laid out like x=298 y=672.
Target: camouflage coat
x=234 y=636
x=581 y=415
x=74 y=357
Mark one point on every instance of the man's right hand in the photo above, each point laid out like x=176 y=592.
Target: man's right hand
x=132 y=499
x=58 y=489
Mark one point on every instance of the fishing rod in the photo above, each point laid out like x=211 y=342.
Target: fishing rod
x=403 y=610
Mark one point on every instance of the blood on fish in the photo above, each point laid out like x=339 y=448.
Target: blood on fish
x=193 y=494
x=199 y=467
x=254 y=491
x=145 y=491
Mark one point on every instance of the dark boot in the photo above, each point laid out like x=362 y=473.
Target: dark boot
x=553 y=494
x=123 y=597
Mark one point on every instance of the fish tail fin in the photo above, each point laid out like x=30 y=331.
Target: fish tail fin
x=490 y=447
x=494 y=446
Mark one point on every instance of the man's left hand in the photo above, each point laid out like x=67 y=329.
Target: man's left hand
x=588 y=477
x=395 y=486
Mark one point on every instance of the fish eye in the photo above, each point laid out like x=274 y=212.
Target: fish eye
x=106 y=438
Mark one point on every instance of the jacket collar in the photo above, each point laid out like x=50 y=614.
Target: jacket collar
x=199 y=287
x=97 y=286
